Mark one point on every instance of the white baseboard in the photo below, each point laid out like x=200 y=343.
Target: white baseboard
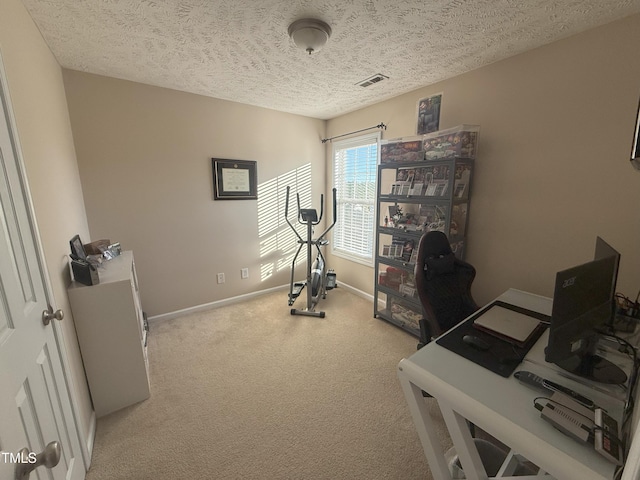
x=91 y=437
x=365 y=295
x=242 y=298
x=356 y=291
x=216 y=304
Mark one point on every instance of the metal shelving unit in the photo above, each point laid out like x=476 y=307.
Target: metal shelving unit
x=430 y=195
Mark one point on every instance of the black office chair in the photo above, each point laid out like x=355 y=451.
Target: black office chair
x=443 y=283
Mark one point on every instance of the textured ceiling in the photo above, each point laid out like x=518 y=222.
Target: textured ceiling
x=240 y=50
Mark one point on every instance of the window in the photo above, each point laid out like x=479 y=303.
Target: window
x=354 y=177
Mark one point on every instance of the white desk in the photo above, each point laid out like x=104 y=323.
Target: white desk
x=502 y=407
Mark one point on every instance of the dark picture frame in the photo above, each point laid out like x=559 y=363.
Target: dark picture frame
x=77 y=248
x=429 y=114
x=234 y=179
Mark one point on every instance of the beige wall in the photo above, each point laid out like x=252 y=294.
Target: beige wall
x=144 y=155
x=39 y=104
x=552 y=170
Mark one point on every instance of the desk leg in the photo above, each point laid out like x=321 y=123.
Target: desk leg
x=465 y=446
x=426 y=430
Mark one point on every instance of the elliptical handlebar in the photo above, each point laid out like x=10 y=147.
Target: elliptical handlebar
x=298 y=200
x=286 y=204
x=321 y=209
x=335 y=205
x=335 y=215
x=286 y=214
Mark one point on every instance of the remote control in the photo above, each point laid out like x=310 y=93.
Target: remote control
x=540 y=383
x=606 y=440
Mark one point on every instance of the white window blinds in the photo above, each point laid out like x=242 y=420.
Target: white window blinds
x=354 y=177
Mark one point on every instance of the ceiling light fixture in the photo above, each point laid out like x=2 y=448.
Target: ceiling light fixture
x=309 y=34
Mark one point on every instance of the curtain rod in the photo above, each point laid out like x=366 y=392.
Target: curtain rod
x=382 y=125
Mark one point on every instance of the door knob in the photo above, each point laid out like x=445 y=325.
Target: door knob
x=49 y=314
x=49 y=457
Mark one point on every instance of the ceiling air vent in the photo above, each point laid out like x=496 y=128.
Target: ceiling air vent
x=378 y=77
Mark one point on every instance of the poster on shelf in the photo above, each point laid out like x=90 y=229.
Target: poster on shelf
x=429 y=114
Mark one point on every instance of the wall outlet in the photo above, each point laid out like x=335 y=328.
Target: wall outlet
x=220 y=278
x=244 y=273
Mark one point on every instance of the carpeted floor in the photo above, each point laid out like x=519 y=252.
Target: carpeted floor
x=248 y=391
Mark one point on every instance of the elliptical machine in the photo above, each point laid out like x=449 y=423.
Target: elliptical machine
x=318 y=279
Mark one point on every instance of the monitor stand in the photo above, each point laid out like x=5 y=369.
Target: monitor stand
x=594 y=367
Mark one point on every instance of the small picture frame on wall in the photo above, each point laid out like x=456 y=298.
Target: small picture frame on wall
x=234 y=179
x=429 y=114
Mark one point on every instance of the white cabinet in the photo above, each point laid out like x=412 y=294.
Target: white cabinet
x=112 y=335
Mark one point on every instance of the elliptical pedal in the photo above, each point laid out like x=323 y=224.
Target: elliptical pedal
x=295 y=293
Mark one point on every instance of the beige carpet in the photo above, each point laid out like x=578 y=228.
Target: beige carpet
x=248 y=391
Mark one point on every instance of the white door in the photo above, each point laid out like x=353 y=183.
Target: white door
x=34 y=402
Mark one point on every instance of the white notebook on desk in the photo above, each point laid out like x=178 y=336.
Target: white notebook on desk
x=507 y=324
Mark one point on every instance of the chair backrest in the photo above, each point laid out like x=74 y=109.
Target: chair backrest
x=443 y=283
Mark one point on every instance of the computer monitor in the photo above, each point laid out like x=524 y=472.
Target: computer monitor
x=635 y=147
x=604 y=250
x=582 y=303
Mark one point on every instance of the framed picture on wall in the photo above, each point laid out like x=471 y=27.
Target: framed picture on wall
x=429 y=114
x=234 y=179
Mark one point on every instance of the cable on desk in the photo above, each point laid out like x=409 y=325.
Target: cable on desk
x=621 y=341
x=631 y=389
x=630 y=403
x=633 y=380
x=627 y=305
